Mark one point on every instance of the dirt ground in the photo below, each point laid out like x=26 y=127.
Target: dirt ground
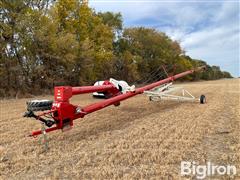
x=137 y=140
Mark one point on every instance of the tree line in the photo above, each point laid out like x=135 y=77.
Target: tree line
x=45 y=43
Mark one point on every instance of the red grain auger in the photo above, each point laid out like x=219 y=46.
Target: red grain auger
x=60 y=113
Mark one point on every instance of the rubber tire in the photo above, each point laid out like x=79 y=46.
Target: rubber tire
x=39 y=105
x=117 y=104
x=202 y=99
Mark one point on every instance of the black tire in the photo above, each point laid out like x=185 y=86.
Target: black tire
x=202 y=99
x=39 y=105
x=117 y=104
x=150 y=98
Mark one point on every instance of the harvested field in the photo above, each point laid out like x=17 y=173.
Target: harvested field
x=137 y=140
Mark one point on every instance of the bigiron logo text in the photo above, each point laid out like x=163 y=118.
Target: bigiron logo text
x=207 y=170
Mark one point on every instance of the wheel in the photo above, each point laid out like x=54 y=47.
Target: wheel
x=154 y=98
x=202 y=99
x=150 y=98
x=39 y=105
x=117 y=104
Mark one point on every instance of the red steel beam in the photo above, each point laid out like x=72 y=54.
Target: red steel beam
x=91 y=89
x=97 y=106
x=36 y=133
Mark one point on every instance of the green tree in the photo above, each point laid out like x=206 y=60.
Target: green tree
x=44 y=43
x=149 y=48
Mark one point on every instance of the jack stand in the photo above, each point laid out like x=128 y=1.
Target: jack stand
x=43 y=139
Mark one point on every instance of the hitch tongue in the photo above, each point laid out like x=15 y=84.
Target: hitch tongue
x=28 y=114
x=47 y=122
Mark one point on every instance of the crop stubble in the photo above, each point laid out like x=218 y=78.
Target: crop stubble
x=139 y=139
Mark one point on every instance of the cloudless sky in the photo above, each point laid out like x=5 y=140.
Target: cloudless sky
x=207 y=30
